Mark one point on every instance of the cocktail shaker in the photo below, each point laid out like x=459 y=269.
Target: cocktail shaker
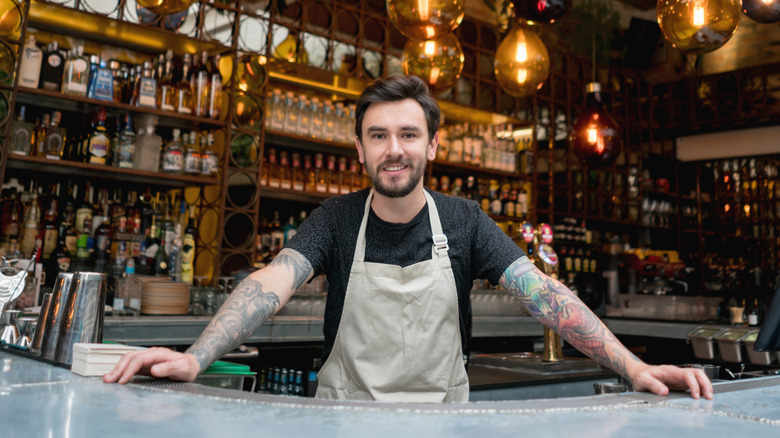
x=82 y=318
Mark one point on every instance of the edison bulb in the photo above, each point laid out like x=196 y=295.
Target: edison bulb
x=595 y=136
x=165 y=7
x=522 y=62
x=437 y=62
x=698 y=26
x=426 y=19
x=541 y=11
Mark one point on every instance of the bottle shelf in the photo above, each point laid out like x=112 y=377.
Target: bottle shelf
x=287 y=140
x=66 y=102
x=105 y=173
x=294 y=195
x=448 y=166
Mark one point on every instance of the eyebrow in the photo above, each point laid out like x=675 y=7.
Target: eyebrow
x=410 y=128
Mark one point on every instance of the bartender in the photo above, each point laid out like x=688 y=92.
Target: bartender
x=400 y=262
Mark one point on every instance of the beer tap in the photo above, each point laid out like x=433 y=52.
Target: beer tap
x=547 y=261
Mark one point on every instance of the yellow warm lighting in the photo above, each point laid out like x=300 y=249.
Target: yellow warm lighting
x=747 y=210
x=426 y=19
x=522 y=75
x=522 y=62
x=698 y=26
x=593 y=134
x=430 y=48
x=163 y=7
x=727 y=208
x=438 y=62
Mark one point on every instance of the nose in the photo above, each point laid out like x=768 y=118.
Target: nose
x=394 y=148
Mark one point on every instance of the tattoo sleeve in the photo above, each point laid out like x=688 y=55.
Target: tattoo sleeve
x=555 y=306
x=251 y=303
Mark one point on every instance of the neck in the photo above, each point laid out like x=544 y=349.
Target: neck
x=399 y=210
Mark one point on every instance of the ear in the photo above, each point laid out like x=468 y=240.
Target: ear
x=433 y=146
x=359 y=147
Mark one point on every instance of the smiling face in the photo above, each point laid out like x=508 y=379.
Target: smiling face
x=395 y=146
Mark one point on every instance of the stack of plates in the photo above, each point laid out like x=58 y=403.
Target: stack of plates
x=165 y=298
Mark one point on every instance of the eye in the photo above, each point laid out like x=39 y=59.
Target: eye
x=409 y=135
x=378 y=136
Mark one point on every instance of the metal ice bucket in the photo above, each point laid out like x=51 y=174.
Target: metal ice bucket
x=82 y=318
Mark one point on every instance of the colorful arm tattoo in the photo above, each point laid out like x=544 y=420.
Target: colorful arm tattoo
x=244 y=310
x=555 y=306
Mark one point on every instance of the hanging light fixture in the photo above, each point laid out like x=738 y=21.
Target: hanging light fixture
x=595 y=135
x=763 y=11
x=541 y=11
x=426 y=19
x=437 y=62
x=698 y=26
x=522 y=62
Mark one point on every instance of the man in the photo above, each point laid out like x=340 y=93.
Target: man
x=400 y=262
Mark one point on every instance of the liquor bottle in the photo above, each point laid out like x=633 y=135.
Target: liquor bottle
x=83 y=260
x=297 y=176
x=147 y=147
x=83 y=209
x=209 y=159
x=274 y=172
x=39 y=135
x=188 y=249
x=277 y=111
x=285 y=177
x=183 y=89
x=304 y=116
x=76 y=74
x=340 y=119
x=30 y=226
x=101 y=83
x=344 y=180
x=103 y=241
x=355 y=180
x=167 y=94
x=200 y=86
x=21 y=135
x=192 y=158
x=310 y=181
x=54 y=137
x=52 y=68
x=60 y=258
x=320 y=176
x=290 y=113
x=173 y=155
x=146 y=91
x=50 y=227
x=215 y=90
x=329 y=122
x=99 y=142
x=161 y=266
x=30 y=68
x=317 y=121
x=117 y=82
x=124 y=144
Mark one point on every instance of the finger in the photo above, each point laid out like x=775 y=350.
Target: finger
x=176 y=369
x=140 y=363
x=119 y=369
x=656 y=387
x=705 y=384
x=692 y=380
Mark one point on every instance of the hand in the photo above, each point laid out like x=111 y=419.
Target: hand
x=156 y=362
x=660 y=379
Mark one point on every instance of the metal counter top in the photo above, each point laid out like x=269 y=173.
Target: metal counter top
x=183 y=330
x=39 y=400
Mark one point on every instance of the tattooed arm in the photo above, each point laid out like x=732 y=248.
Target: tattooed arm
x=555 y=306
x=255 y=299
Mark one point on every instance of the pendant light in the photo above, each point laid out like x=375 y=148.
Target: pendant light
x=698 y=26
x=541 y=11
x=426 y=19
x=595 y=136
x=522 y=62
x=437 y=62
x=763 y=11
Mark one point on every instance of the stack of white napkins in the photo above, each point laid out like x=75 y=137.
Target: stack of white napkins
x=98 y=359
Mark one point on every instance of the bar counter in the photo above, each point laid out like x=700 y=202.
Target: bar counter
x=39 y=400
x=183 y=330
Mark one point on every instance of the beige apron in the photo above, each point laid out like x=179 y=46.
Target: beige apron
x=399 y=335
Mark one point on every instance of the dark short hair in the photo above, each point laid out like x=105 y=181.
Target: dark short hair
x=396 y=88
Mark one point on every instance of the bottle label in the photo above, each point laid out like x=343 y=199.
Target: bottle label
x=49 y=242
x=104 y=85
x=192 y=163
x=119 y=304
x=126 y=153
x=54 y=60
x=147 y=95
x=135 y=303
x=173 y=161
x=63 y=263
x=210 y=165
x=98 y=149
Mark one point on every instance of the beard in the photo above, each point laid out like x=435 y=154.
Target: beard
x=395 y=187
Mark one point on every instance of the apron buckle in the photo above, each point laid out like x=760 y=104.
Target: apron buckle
x=440 y=244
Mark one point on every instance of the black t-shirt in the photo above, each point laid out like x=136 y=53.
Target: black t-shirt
x=478 y=248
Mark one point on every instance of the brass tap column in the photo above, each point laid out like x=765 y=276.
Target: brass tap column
x=547 y=261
